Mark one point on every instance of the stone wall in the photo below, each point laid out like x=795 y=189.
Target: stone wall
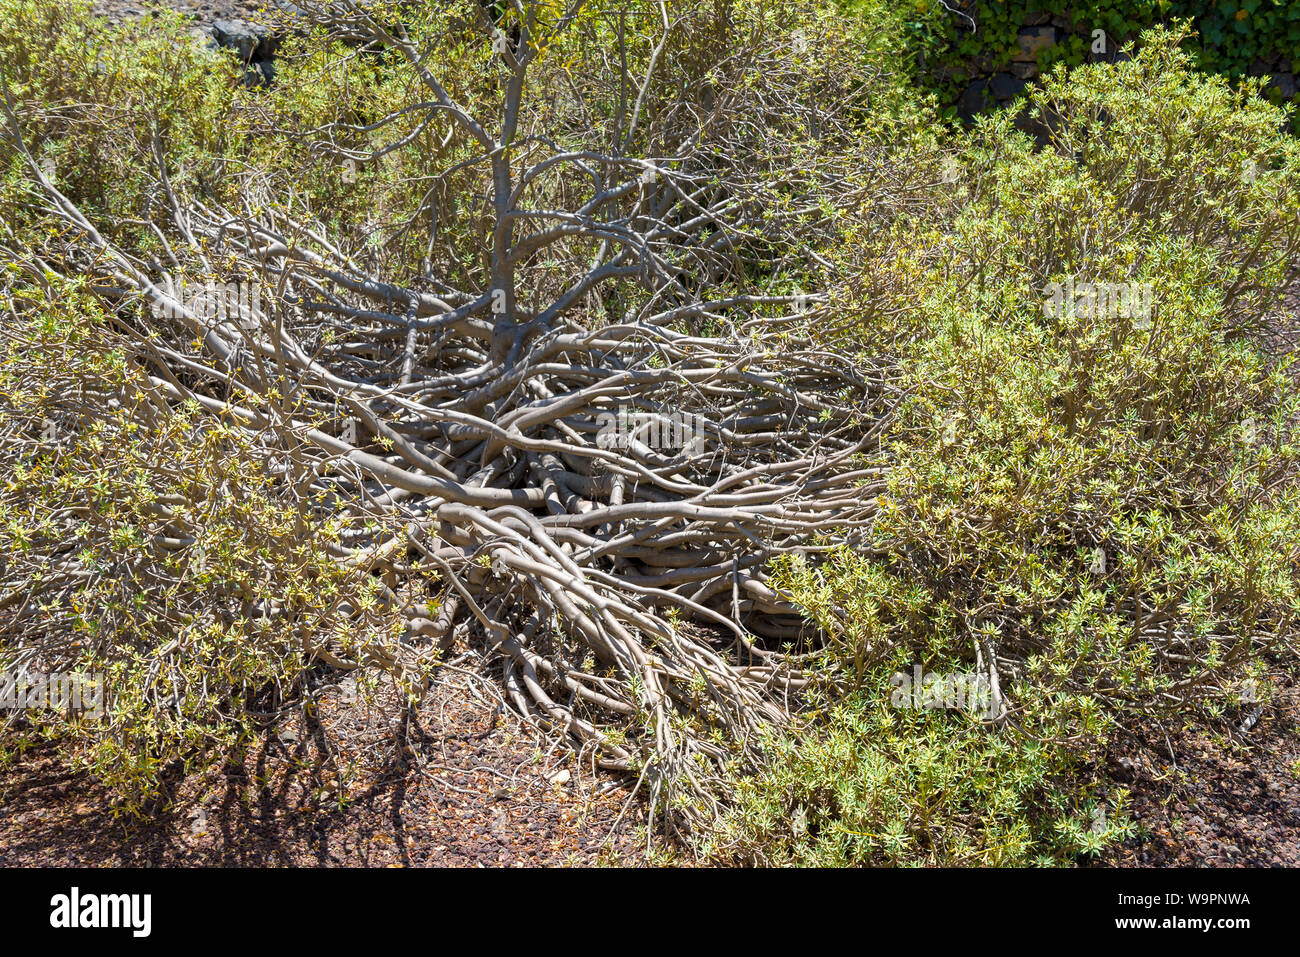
x=988 y=84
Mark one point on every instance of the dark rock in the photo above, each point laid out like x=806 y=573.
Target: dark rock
x=1026 y=71
x=1285 y=85
x=251 y=41
x=1032 y=41
x=1004 y=86
x=1032 y=126
x=973 y=99
x=236 y=35
x=259 y=74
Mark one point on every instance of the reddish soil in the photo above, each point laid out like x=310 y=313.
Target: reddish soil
x=1211 y=794
x=471 y=790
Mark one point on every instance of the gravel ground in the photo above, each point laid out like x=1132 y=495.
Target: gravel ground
x=472 y=790
x=1213 y=795
x=204 y=11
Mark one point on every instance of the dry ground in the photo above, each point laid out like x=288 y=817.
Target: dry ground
x=1209 y=794
x=471 y=788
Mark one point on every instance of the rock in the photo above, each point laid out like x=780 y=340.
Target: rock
x=500 y=826
x=1033 y=41
x=973 y=99
x=1026 y=71
x=204 y=38
x=1285 y=85
x=560 y=777
x=259 y=74
x=1004 y=86
x=236 y=35
x=251 y=41
x=1032 y=126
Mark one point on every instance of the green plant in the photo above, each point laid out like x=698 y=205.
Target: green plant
x=163 y=553
x=1164 y=445
x=1229 y=36
x=870 y=783
x=924 y=447
x=1096 y=511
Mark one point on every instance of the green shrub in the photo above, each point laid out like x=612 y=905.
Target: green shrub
x=94 y=100
x=877 y=784
x=188 y=566
x=1099 y=515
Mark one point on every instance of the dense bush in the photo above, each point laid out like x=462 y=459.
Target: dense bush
x=1097 y=514
x=1091 y=512
x=873 y=784
x=185 y=565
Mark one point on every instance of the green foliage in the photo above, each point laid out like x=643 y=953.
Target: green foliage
x=101 y=104
x=874 y=784
x=204 y=594
x=1109 y=510
x=1102 y=512
x=215 y=604
x=75 y=79
x=1229 y=35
